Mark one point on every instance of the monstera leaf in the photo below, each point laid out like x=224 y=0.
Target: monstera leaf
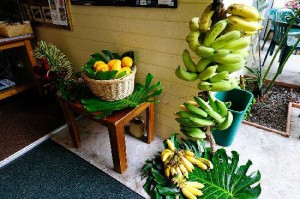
x=227 y=180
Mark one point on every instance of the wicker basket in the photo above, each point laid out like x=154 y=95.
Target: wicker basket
x=15 y=29
x=112 y=90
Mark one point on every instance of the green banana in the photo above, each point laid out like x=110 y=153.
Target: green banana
x=187 y=122
x=219 y=76
x=222 y=53
x=245 y=52
x=214 y=32
x=227 y=104
x=188 y=129
x=199 y=134
x=203 y=104
x=223 y=111
x=200 y=121
x=188 y=62
x=211 y=101
x=202 y=64
x=223 y=85
x=229 y=59
x=222 y=41
x=213 y=114
x=208 y=72
x=185 y=75
x=195 y=110
x=238 y=44
x=205 y=52
x=194 y=24
x=227 y=122
x=193 y=40
x=205 y=20
x=185 y=114
x=204 y=86
x=231 y=67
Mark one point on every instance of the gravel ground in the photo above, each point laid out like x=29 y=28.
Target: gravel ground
x=272 y=111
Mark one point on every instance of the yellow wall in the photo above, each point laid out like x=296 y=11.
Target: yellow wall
x=157 y=36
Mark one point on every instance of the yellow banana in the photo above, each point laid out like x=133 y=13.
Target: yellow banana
x=193 y=160
x=205 y=20
x=201 y=165
x=188 y=165
x=197 y=185
x=173 y=170
x=192 y=103
x=167 y=170
x=183 y=170
x=240 y=23
x=194 y=24
x=206 y=162
x=193 y=190
x=248 y=12
x=165 y=156
x=178 y=171
x=166 y=151
x=189 y=153
x=170 y=145
x=187 y=194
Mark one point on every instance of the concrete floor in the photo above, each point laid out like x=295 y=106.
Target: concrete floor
x=275 y=156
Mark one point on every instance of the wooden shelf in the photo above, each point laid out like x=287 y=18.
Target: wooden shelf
x=15 y=90
x=7 y=43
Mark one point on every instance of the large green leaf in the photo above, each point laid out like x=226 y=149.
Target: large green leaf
x=227 y=180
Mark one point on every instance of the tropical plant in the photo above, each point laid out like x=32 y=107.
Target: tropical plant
x=141 y=94
x=227 y=180
x=262 y=87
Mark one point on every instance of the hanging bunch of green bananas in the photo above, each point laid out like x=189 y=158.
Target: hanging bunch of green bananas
x=196 y=116
x=177 y=165
x=222 y=47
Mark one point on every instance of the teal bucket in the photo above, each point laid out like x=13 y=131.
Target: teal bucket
x=240 y=101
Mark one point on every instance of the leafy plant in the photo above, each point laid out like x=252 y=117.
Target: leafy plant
x=141 y=94
x=261 y=76
x=227 y=179
x=106 y=57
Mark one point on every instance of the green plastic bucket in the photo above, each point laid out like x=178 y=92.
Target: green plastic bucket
x=240 y=101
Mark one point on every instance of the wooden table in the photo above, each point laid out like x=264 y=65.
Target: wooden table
x=115 y=123
x=8 y=43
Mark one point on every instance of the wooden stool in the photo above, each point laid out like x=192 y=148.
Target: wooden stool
x=115 y=123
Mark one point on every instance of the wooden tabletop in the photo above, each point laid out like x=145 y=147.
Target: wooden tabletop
x=5 y=40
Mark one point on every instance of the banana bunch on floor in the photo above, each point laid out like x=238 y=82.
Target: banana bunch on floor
x=181 y=162
x=190 y=189
x=222 y=47
x=196 y=116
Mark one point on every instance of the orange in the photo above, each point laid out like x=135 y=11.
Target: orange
x=114 y=64
x=127 y=62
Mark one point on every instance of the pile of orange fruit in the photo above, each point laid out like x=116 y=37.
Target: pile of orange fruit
x=122 y=65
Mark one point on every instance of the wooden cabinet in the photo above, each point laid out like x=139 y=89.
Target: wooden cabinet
x=8 y=43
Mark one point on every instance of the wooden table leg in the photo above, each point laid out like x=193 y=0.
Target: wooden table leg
x=71 y=124
x=118 y=147
x=150 y=123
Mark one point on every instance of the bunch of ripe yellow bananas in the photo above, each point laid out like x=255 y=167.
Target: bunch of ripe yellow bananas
x=223 y=47
x=196 y=116
x=181 y=161
x=177 y=165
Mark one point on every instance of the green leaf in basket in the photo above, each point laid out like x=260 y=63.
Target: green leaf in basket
x=108 y=55
x=98 y=57
x=106 y=75
x=116 y=55
x=90 y=73
x=112 y=74
x=90 y=63
x=122 y=74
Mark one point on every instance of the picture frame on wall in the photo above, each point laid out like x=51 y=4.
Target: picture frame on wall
x=36 y=12
x=47 y=14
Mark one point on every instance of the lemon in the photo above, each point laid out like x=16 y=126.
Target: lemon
x=100 y=66
x=126 y=69
x=114 y=64
x=127 y=62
